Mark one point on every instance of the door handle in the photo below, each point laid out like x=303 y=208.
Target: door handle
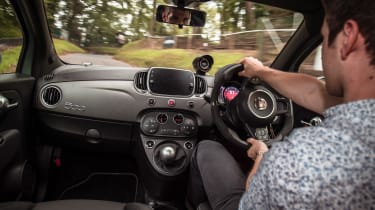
x=5 y=105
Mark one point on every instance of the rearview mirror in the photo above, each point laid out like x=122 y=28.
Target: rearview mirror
x=180 y=16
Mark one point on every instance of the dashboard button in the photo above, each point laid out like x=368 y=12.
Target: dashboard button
x=175 y=132
x=150 y=126
x=188 y=145
x=163 y=131
x=178 y=119
x=190 y=104
x=150 y=144
x=162 y=118
x=151 y=101
x=171 y=102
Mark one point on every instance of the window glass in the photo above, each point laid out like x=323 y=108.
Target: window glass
x=10 y=38
x=95 y=32
x=312 y=65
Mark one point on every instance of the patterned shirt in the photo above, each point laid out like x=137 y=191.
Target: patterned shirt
x=331 y=166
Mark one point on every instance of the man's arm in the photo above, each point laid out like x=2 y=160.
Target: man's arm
x=256 y=151
x=304 y=90
x=253 y=170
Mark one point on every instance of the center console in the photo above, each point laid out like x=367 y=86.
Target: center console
x=169 y=129
x=168 y=135
x=168 y=138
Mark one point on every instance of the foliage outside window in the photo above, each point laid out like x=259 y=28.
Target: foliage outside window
x=127 y=30
x=10 y=38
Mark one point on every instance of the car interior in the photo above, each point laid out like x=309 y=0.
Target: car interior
x=81 y=136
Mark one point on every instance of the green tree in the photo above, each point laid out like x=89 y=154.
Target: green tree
x=250 y=19
x=52 y=7
x=8 y=21
x=141 y=16
x=101 y=21
x=229 y=14
x=152 y=25
x=72 y=18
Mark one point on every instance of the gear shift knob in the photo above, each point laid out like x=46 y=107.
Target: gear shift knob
x=167 y=154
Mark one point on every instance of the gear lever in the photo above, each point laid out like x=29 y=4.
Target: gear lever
x=167 y=154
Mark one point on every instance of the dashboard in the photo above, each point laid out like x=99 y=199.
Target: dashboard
x=160 y=109
x=170 y=100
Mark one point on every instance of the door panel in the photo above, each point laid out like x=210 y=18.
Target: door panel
x=16 y=147
x=10 y=148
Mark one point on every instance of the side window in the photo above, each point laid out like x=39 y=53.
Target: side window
x=312 y=65
x=10 y=38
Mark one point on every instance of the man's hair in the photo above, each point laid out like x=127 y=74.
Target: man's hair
x=361 y=11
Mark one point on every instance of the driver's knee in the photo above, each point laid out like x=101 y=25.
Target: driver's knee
x=204 y=152
x=196 y=193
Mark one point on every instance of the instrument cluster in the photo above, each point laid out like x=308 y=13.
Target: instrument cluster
x=228 y=92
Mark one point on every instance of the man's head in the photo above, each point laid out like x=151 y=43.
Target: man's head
x=361 y=11
x=180 y=16
x=349 y=35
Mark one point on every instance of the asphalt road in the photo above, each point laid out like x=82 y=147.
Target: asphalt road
x=80 y=58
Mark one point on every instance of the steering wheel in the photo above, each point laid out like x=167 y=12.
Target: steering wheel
x=252 y=112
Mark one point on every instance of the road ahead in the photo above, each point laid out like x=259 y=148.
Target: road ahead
x=80 y=58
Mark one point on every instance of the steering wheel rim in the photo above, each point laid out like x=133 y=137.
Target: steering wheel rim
x=225 y=74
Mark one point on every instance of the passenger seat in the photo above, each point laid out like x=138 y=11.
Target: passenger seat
x=73 y=205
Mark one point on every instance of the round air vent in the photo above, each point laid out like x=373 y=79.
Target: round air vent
x=51 y=96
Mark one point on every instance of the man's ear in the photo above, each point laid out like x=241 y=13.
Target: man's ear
x=350 y=32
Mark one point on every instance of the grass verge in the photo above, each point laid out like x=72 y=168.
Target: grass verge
x=9 y=59
x=63 y=47
x=135 y=55
x=10 y=55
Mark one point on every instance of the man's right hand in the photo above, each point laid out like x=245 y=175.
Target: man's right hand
x=304 y=90
x=252 y=67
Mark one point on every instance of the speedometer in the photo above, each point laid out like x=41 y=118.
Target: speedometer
x=230 y=93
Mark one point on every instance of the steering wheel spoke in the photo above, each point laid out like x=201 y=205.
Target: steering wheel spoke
x=282 y=106
x=222 y=110
x=222 y=107
x=249 y=130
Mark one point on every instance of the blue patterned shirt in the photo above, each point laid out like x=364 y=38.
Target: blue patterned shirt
x=331 y=166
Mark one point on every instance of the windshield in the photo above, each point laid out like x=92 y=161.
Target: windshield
x=125 y=33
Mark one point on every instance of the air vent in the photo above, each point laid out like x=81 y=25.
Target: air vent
x=200 y=85
x=141 y=80
x=51 y=96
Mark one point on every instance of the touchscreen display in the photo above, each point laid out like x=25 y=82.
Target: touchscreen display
x=171 y=82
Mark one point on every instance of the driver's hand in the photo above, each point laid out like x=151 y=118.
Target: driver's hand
x=258 y=148
x=252 y=67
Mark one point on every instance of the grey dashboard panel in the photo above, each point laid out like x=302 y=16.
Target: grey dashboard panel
x=109 y=94
x=89 y=73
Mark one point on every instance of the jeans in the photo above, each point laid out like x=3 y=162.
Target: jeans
x=215 y=177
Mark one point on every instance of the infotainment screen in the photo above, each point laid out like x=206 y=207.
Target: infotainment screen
x=171 y=81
